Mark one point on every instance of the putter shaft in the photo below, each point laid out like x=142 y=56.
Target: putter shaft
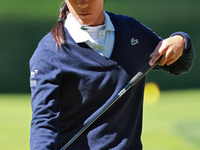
x=132 y=82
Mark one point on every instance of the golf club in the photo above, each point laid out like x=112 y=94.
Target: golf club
x=131 y=83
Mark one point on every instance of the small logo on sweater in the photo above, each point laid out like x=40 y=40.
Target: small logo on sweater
x=33 y=73
x=33 y=83
x=134 y=41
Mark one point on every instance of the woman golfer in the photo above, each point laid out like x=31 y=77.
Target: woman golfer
x=87 y=58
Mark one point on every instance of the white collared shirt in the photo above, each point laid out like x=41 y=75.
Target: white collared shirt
x=99 y=38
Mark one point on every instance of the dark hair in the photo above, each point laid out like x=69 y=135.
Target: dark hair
x=58 y=30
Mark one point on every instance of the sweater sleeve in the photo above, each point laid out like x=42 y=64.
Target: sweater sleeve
x=44 y=82
x=185 y=62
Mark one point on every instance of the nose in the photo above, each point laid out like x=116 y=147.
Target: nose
x=83 y=3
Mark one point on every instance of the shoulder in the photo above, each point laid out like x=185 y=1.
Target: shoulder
x=118 y=16
x=48 y=42
x=128 y=24
x=44 y=50
x=122 y=19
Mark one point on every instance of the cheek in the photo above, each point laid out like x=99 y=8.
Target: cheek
x=72 y=6
x=73 y=11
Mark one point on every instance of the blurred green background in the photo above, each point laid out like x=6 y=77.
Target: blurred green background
x=172 y=124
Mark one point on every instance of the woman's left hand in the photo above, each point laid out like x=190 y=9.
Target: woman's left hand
x=170 y=49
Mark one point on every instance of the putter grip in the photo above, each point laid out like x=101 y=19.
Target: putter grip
x=142 y=73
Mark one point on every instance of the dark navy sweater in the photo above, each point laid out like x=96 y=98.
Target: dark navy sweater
x=69 y=85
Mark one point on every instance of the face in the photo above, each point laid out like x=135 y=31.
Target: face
x=88 y=12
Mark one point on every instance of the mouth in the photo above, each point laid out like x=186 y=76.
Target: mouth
x=84 y=14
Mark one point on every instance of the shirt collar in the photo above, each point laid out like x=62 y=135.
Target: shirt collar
x=79 y=32
x=108 y=23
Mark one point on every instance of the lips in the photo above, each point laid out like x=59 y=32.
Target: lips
x=84 y=14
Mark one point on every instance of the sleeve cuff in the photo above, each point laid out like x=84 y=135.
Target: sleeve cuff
x=187 y=39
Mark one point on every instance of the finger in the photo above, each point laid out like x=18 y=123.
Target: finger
x=154 y=59
x=158 y=52
x=166 y=57
x=169 y=53
x=156 y=49
x=162 y=61
x=170 y=61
